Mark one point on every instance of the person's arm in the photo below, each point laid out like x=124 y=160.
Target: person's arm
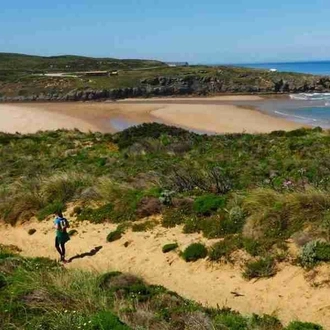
x=57 y=224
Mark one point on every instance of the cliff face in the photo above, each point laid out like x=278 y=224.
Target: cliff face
x=191 y=85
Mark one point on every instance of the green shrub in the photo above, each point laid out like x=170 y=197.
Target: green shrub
x=77 y=210
x=135 y=134
x=114 y=235
x=144 y=226
x=72 y=232
x=303 y=326
x=169 y=247
x=265 y=322
x=107 y=320
x=3 y=281
x=99 y=215
x=32 y=231
x=264 y=267
x=194 y=252
x=230 y=320
x=105 y=279
x=220 y=225
x=50 y=209
x=252 y=246
x=192 y=224
x=172 y=218
x=314 y=252
x=207 y=204
x=225 y=248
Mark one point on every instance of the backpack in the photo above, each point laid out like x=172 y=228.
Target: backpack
x=64 y=223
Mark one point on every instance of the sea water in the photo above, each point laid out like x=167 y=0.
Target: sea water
x=308 y=108
x=317 y=68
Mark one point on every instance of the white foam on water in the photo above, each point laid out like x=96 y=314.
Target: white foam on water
x=295 y=116
x=310 y=96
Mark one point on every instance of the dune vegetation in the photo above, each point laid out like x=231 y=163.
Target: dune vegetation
x=264 y=195
x=257 y=193
x=40 y=294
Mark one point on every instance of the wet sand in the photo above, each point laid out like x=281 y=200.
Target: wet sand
x=214 y=115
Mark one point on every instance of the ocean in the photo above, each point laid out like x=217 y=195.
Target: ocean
x=311 y=109
x=318 y=68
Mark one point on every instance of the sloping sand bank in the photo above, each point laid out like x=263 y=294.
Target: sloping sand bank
x=288 y=295
x=196 y=113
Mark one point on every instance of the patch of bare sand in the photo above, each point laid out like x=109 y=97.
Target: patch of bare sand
x=17 y=118
x=94 y=116
x=221 y=118
x=113 y=116
x=288 y=295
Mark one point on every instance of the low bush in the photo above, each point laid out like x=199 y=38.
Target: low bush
x=98 y=215
x=51 y=209
x=192 y=224
x=173 y=217
x=194 y=252
x=107 y=320
x=314 y=252
x=77 y=210
x=207 y=204
x=72 y=232
x=219 y=225
x=144 y=226
x=225 y=248
x=252 y=246
x=169 y=247
x=265 y=322
x=32 y=231
x=296 y=325
x=264 y=267
x=115 y=235
x=231 y=320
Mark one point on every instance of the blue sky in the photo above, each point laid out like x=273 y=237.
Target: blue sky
x=209 y=31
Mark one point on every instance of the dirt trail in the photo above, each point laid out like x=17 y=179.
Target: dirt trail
x=288 y=295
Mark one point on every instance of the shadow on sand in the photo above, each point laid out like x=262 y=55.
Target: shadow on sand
x=91 y=253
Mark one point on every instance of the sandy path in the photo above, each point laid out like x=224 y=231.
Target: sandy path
x=288 y=295
x=198 y=114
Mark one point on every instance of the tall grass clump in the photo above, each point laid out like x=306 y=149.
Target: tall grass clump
x=277 y=216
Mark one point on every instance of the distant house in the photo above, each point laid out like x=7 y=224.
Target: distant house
x=113 y=73
x=174 y=64
x=95 y=73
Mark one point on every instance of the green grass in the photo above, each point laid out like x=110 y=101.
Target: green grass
x=39 y=293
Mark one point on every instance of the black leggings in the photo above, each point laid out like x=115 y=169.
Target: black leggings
x=60 y=248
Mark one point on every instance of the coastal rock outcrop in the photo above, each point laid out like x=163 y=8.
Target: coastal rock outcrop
x=191 y=85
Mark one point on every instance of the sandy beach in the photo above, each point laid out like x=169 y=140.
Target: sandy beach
x=290 y=295
x=203 y=114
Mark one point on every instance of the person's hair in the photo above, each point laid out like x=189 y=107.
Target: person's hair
x=59 y=213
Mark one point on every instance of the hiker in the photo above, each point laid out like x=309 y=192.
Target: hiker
x=61 y=225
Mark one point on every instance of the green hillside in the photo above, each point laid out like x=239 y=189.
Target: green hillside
x=29 y=63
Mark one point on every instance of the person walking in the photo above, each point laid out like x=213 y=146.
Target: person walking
x=62 y=237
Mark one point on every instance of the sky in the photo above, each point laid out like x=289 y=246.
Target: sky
x=208 y=31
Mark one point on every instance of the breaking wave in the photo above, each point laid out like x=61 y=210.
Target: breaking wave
x=295 y=116
x=310 y=96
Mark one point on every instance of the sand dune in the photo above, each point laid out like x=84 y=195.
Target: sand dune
x=288 y=295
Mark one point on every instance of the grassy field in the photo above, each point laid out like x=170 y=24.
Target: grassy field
x=18 y=75
x=40 y=294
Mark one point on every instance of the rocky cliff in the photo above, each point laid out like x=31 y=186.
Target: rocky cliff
x=192 y=85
